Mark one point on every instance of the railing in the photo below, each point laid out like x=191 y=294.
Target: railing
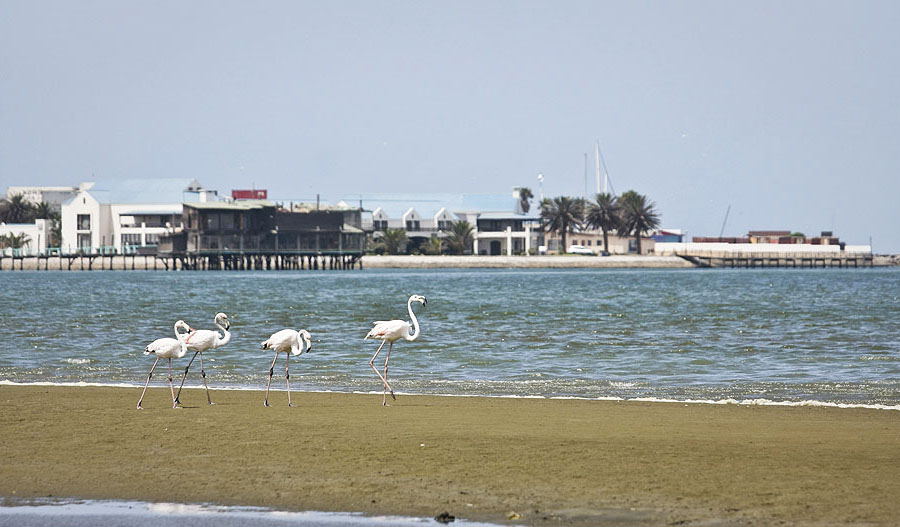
x=103 y=250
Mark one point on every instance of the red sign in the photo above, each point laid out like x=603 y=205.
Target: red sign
x=249 y=194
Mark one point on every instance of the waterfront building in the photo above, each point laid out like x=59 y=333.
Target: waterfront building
x=36 y=236
x=593 y=240
x=53 y=196
x=244 y=234
x=119 y=214
x=499 y=225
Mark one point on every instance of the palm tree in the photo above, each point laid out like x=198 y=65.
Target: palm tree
x=525 y=197
x=603 y=214
x=638 y=216
x=14 y=241
x=42 y=211
x=393 y=240
x=460 y=238
x=561 y=215
x=434 y=246
x=16 y=209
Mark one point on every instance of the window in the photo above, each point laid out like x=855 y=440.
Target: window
x=131 y=239
x=84 y=222
x=588 y=243
x=212 y=221
x=152 y=239
x=413 y=225
x=444 y=225
x=381 y=225
x=84 y=241
x=227 y=221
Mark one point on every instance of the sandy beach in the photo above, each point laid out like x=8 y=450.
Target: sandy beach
x=539 y=461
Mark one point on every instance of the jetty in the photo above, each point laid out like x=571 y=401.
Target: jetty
x=753 y=255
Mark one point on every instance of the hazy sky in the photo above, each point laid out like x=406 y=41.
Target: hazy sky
x=787 y=111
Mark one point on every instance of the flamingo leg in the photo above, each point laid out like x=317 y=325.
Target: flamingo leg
x=186 y=368
x=271 y=372
x=372 y=364
x=171 y=388
x=139 y=407
x=203 y=374
x=386 y=359
x=287 y=376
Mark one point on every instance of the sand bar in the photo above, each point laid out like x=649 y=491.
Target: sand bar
x=552 y=462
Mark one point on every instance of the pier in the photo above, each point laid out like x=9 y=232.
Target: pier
x=751 y=261
x=148 y=259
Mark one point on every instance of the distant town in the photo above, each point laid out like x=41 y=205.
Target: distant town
x=181 y=221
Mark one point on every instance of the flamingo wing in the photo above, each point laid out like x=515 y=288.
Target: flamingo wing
x=388 y=330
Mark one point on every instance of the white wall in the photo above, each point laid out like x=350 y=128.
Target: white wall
x=38 y=234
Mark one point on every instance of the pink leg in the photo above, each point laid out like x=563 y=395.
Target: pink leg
x=203 y=374
x=139 y=407
x=186 y=368
x=172 y=388
x=271 y=372
x=287 y=376
x=386 y=359
x=372 y=364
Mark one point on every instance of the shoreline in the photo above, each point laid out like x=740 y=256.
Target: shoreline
x=652 y=400
x=550 y=461
x=142 y=263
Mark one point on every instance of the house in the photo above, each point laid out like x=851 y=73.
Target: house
x=244 y=227
x=499 y=228
x=35 y=236
x=594 y=240
x=53 y=196
x=120 y=214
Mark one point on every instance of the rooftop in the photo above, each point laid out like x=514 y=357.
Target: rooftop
x=150 y=190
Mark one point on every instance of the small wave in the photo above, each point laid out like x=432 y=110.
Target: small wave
x=77 y=361
x=741 y=402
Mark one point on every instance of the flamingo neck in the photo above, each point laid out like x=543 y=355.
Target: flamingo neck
x=415 y=334
x=221 y=341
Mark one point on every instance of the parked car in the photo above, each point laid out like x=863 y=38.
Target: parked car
x=579 y=249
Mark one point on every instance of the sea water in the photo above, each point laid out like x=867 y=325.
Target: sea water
x=812 y=336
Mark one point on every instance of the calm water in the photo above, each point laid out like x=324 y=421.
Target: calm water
x=781 y=335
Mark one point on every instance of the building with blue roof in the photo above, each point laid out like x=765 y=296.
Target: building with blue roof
x=126 y=212
x=500 y=225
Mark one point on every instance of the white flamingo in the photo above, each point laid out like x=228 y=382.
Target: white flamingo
x=290 y=342
x=166 y=348
x=202 y=340
x=390 y=331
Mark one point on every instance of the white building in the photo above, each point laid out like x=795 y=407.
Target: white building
x=54 y=196
x=499 y=227
x=37 y=235
x=119 y=214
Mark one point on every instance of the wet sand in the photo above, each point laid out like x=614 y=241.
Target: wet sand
x=550 y=462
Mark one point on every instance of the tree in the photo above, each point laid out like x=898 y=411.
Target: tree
x=638 y=216
x=603 y=214
x=42 y=211
x=16 y=209
x=14 y=241
x=460 y=238
x=393 y=240
x=525 y=197
x=434 y=246
x=561 y=215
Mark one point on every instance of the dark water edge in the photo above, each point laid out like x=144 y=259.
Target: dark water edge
x=86 y=513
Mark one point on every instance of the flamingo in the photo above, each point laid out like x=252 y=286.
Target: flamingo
x=203 y=340
x=166 y=348
x=390 y=331
x=290 y=342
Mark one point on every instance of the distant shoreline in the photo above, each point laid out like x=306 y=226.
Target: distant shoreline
x=523 y=262
x=140 y=263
